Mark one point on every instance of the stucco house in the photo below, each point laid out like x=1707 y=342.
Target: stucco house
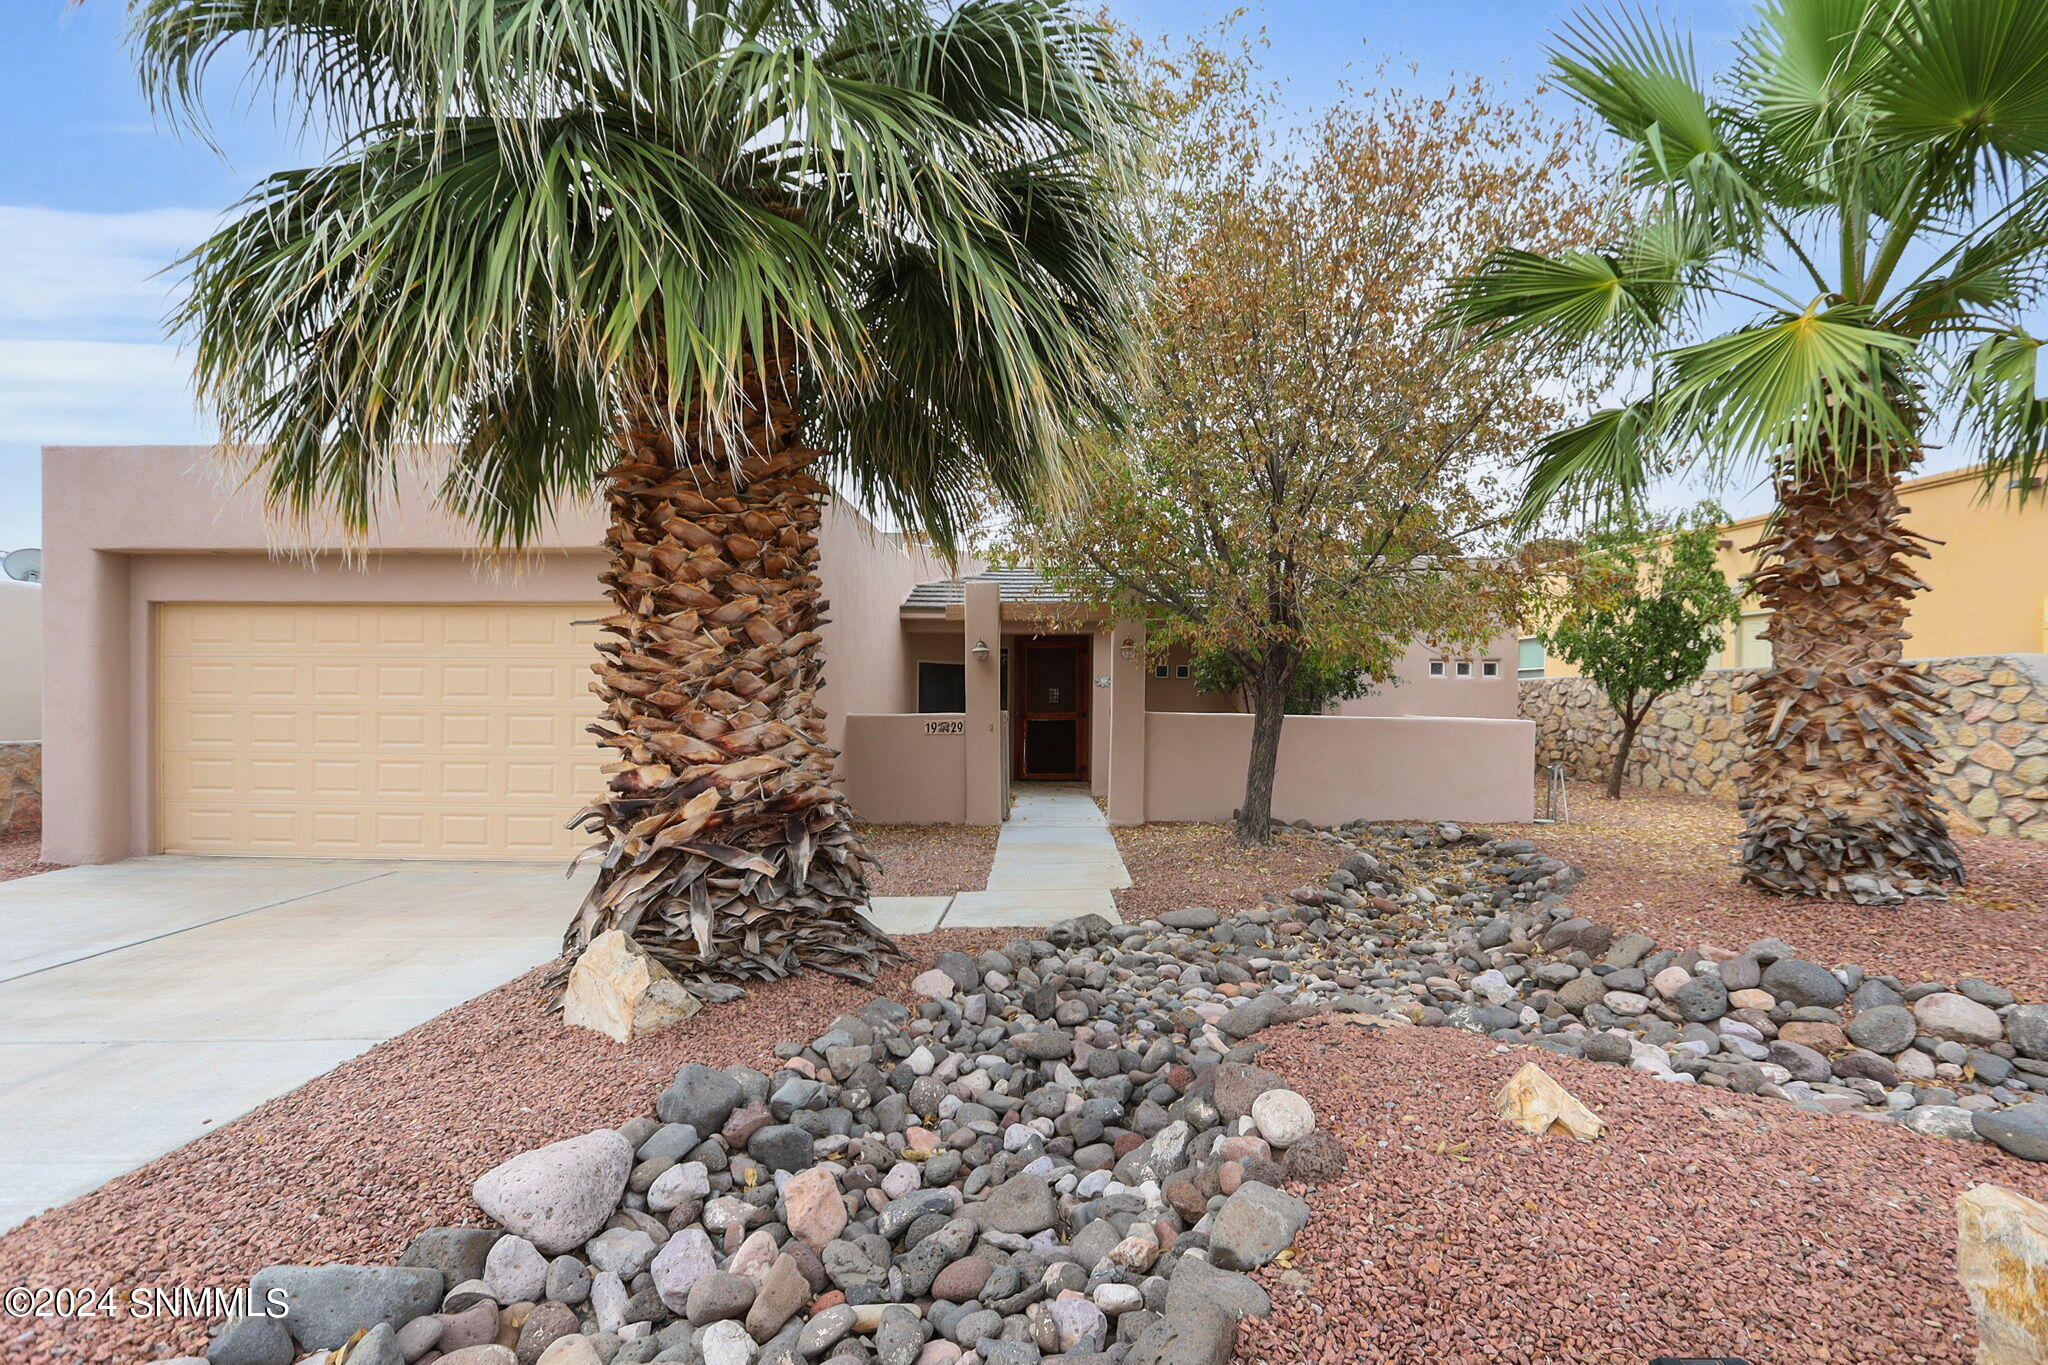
x=205 y=694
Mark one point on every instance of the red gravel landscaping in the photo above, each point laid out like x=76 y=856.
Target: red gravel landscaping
x=1664 y=863
x=349 y=1166
x=1705 y=1223
x=21 y=856
x=929 y=860
x=1175 y=866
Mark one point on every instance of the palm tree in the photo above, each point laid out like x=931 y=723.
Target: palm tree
x=696 y=256
x=1862 y=193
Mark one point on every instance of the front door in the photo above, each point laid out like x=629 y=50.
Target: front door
x=1052 y=723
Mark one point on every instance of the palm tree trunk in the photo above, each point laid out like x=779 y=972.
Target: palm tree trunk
x=1838 y=799
x=727 y=847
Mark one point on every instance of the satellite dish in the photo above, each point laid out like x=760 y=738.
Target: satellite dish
x=25 y=566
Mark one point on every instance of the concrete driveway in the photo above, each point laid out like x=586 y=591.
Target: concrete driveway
x=144 y=1003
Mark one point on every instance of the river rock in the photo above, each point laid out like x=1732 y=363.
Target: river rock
x=558 y=1196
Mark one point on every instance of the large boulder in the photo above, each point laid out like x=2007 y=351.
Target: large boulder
x=1957 y=1018
x=2002 y=1261
x=325 y=1305
x=558 y=1196
x=1254 y=1225
x=621 y=992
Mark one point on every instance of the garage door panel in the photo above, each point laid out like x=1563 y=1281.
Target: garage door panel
x=452 y=730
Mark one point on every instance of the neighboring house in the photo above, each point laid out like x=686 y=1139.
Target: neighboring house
x=21 y=661
x=208 y=696
x=1987 y=580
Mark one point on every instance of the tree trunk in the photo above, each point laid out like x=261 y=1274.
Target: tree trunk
x=1838 y=799
x=727 y=847
x=1268 y=696
x=1631 y=721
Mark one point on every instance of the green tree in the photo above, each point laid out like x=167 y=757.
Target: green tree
x=1646 y=615
x=1311 y=470
x=694 y=259
x=1863 y=190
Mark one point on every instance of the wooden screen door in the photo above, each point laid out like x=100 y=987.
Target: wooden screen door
x=1052 y=724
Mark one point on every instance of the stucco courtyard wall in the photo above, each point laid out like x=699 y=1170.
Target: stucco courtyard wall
x=1338 y=768
x=1991 y=743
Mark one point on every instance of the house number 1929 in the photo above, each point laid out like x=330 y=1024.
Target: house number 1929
x=945 y=727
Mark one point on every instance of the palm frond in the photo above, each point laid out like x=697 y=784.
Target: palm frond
x=557 y=213
x=1998 y=394
x=1812 y=389
x=1966 y=76
x=1607 y=461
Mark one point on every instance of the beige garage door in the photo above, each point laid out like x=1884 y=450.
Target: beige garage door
x=394 y=731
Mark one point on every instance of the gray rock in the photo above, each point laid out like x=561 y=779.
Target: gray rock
x=1802 y=1061
x=701 y=1097
x=1798 y=982
x=458 y=1253
x=2026 y=1027
x=378 y=1346
x=1195 y=1283
x=325 y=1305
x=2021 y=1130
x=1193 y=917
x=1985 y=993
x=1254 y=1225
x=1249 y=1017
x=1608 y=1047
x=1741 y=973
x=251 y=1341
x=684 y=1259
x=900 y=1337
x=1023 y=1204
x=1201 y=1334
x=515 y=1269
x=1941 y=1120
x=718 y=1296
x=1887 y=1029
x=558 y=1196
x=1048 y=1045
x=1957 y=1018
x=568 y=1280
x=780 y=1147
x=1701 y=1000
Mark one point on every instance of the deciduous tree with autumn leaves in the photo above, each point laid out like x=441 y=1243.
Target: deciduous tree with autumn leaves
x=1312 y=470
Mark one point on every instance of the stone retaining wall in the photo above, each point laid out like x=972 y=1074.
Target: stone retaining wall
x=21 y=788
x=1992 y=742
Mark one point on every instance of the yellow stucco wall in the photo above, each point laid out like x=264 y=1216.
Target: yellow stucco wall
x=1987 y=584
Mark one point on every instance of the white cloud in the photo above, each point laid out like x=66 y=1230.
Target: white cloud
x=96 y=393
x=96 y=276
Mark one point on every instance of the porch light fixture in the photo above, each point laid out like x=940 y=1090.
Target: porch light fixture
x=980 y=651
x=1128 y=650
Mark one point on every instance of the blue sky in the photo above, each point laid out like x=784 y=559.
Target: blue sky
x=96 y=200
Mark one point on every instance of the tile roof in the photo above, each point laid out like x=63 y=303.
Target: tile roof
x=1018 y=585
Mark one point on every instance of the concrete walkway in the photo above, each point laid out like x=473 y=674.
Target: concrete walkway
x=144 y=1003
x=1055 y=858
